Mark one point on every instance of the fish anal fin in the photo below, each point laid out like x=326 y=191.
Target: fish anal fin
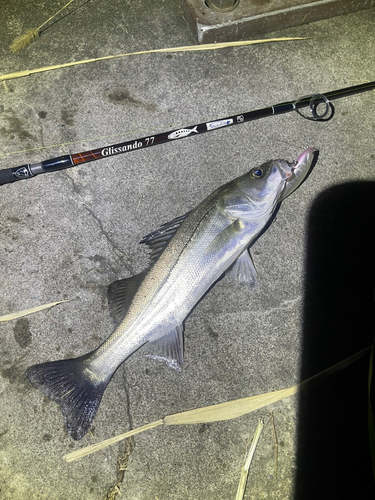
x=120 y=295
x=168 y=348
x=69 y=383
x=243 y=270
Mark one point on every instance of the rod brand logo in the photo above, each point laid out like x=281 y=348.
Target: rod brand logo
x=121 y=149
x=22 y=173
x=218 y=124
x=183 y=132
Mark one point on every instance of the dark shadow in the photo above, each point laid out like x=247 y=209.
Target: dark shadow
x=333 y=455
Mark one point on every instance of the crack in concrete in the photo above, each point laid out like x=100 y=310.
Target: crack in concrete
x=117 y=251
x=75 y=187
x=127 y=395
x=40 y=128
x=122 y=463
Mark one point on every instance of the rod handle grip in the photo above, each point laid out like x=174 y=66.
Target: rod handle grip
x=7 y=175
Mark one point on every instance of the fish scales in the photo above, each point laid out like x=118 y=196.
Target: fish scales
x=177 y=274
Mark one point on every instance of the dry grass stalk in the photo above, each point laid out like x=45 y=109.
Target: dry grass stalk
x=221 y=411
x=276 y=443
x=22 y=41
x=189 y=48
x=25 y=312
x=246 y=466
x=230 y=409
x=75 y=455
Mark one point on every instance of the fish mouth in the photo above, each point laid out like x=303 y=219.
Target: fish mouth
x=296 y=172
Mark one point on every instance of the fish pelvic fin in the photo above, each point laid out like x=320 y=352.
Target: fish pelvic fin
x=74 y=387
x=243 y=271
x=168 y=347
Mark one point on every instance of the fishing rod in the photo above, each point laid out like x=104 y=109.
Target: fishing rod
x=313 y=102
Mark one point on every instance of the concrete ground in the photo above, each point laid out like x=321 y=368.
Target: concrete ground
x=69 y=234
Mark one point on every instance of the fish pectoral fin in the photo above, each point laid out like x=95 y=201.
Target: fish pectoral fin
x=121 y=293
x=243 y=270
x=159 y=239
x=168 y=348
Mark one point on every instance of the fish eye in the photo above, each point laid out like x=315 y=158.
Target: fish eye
x=256 y=173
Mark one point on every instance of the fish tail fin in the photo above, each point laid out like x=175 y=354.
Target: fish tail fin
x=74 y=387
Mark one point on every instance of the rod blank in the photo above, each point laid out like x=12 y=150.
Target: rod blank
x=28 y=171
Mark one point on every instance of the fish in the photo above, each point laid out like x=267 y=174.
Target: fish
x=188 y=256
x=183 y=132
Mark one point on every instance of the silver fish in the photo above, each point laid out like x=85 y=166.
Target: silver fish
x=188 y=255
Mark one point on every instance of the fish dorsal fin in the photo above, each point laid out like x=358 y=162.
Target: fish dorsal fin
x=168 y=348
x=120 y=295
x=159 y=239
x=243 y=270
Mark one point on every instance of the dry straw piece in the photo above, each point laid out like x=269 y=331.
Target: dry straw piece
x=221 y=411
x=25 y=312
x=22 y=41
x=249 y=458
x=189 y=48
